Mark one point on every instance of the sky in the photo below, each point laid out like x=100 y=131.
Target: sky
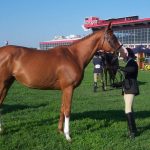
x=28 y=22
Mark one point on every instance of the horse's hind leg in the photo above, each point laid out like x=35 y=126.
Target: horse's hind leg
x=4 y=86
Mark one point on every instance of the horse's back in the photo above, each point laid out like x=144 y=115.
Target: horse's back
x=40 y=69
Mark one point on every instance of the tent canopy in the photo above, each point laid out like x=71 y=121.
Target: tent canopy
x=141 y=49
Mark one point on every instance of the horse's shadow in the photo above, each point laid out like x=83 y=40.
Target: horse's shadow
x=111 y=116
x=8 y=108
x=99 y=115
x=141 y=83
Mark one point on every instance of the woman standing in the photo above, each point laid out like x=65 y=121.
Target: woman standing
x=130 y=90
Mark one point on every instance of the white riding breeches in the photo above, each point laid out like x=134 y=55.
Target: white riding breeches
x=128 y=99
x=98 y=75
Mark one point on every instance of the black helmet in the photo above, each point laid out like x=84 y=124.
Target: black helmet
x=131 y=53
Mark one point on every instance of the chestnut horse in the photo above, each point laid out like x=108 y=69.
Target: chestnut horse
x=60 y=68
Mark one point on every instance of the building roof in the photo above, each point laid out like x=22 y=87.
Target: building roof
x=63 y=39
x=95 y=22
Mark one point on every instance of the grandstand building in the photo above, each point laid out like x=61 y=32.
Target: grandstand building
x=59 y=41
x=131 y=31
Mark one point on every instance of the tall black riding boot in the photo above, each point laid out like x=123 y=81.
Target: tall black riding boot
x=131 y=125
x=95 y=87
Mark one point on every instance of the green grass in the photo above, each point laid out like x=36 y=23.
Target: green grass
x=97 y=120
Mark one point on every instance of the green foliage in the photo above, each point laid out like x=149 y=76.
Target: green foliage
x=97 y=121
x=142 y=59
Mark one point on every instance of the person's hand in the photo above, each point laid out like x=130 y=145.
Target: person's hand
x=120 y=67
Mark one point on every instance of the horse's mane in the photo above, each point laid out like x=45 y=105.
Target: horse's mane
x=85 y=37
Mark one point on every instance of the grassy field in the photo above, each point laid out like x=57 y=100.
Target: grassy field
x=97 y=120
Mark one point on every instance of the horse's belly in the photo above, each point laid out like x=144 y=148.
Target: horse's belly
x=43 y=76
x=39 y=84
x=38 y=81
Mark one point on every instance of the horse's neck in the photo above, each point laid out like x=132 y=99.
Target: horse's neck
x=84 y=50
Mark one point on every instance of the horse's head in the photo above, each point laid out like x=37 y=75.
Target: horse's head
x=110 y=43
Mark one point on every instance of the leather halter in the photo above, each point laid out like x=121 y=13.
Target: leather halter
x=106 y=37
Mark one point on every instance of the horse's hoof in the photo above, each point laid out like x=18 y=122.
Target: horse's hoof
x=60 y=131
x=68 y=138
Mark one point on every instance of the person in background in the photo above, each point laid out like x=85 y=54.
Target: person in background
x=130 y=89
x=6 y=43
x=98 y=71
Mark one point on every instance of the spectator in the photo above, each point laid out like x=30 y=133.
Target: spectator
x=98 y=71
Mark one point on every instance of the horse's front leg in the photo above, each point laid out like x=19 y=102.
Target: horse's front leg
x=61 y=119
x=66 y=109
x=105 y=74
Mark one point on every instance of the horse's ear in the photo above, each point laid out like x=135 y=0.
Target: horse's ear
x=109 y=26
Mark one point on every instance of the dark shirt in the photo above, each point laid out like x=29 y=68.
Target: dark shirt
x=130 y=84
x=98 y=64
x=131 y=69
